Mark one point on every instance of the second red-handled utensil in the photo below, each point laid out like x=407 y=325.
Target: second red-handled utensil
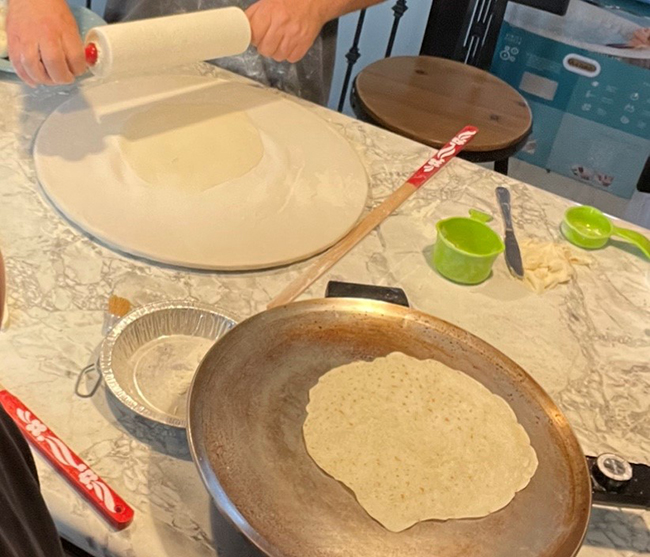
x=108 y=503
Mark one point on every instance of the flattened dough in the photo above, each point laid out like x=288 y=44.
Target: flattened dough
x=295 y=203
x=190 y=147
x=416 y=440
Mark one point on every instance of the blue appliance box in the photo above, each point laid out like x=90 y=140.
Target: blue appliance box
x=591 y=111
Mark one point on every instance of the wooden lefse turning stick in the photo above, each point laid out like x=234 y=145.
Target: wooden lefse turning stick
x=375 y=217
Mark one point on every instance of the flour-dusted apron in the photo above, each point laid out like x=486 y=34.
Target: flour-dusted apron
x=310 y=78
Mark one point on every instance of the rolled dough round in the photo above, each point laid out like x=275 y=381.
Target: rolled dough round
x=198 y=172
x=416 y=440
x=191 y=147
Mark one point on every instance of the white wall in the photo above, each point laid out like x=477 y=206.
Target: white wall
x=376 y=30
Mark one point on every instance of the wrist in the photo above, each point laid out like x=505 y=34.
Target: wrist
x=325 y=10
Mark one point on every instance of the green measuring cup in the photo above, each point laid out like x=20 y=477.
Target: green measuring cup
x=589 y=228
x=466 y=248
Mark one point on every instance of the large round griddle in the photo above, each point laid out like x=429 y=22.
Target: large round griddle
x=246 y=410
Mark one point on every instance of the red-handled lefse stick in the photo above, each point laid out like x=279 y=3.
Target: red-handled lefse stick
x=376 y=217
x=109 y=504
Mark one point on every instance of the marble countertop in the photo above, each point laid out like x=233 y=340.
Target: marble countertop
x=587 y=343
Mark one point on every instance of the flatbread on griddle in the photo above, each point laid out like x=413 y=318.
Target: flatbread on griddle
x=416 y=440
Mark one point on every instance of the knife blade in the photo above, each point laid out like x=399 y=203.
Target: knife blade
x=513 y=254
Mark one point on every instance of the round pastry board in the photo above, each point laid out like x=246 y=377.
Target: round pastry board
x=305 y=194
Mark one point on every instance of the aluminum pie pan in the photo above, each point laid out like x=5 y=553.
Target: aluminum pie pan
x=149 y=358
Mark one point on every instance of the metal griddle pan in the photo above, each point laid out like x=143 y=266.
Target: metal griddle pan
x=246 y=410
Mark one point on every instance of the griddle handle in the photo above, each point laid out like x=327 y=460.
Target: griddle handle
x=336 y=289
x=634 y=494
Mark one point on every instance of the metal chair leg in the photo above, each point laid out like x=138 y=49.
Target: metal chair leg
x=501 y=166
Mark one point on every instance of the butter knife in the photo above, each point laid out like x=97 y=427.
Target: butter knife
x=513 y=254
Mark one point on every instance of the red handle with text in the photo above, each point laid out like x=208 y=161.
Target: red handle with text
x=109 y=504
x=443 y=156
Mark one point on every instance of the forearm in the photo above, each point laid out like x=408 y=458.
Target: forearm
x=286 y=29
x=331 y=9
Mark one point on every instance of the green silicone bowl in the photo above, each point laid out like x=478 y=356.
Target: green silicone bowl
x=465 y=250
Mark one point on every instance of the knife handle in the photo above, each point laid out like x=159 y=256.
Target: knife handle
x=503 y=196
x=108 y=503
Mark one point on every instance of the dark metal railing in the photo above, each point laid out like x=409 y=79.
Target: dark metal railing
x=399 y=9
x=480 y=29
x=353 y=55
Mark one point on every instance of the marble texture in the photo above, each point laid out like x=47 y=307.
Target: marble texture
x=586 y=343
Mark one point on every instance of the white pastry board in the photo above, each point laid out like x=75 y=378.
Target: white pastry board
x=306 y=193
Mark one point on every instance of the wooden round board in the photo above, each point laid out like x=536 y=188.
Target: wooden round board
x=247 y=407
x=424 y=98
x=306 y=192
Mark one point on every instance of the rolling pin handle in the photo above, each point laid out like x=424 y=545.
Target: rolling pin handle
x=91 y=54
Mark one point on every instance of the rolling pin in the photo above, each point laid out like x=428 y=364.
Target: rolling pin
x=169 y=41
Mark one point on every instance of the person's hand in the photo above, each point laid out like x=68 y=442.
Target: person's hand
x=44 y=43
x=285 y=29
x=641 y=38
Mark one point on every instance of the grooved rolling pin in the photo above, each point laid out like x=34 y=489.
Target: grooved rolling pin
x=168 y=41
